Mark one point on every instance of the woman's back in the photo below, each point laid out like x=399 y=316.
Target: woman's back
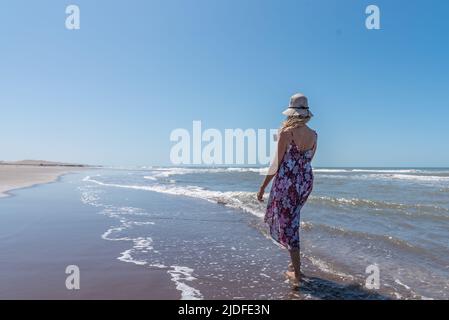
x=303 y=137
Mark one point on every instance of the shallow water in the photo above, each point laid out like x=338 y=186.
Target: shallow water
x=397 y=219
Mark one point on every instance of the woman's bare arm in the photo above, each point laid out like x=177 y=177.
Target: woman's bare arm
x=281 y=149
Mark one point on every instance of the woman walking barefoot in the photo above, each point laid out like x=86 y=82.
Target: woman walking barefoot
x=293 y=181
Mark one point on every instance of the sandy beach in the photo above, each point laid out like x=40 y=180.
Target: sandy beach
x=22 y=174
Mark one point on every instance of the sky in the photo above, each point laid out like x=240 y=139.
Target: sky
x=112 y=92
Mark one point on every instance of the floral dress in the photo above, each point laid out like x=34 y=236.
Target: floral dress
x=291 y=187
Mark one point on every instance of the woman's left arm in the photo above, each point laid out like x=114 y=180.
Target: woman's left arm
x=281 y=149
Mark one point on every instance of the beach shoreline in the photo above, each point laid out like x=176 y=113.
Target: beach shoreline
x=26 y=174
x=157 y=240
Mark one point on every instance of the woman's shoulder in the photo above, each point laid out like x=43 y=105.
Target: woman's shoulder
x=285 y=130
x=312 y=131
x=298 y=131
x=284 y=134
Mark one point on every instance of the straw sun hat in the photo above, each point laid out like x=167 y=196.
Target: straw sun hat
x=299 y=106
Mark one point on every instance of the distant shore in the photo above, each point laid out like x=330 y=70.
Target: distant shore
x=27 y=173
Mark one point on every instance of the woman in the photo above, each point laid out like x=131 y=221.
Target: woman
x=293 y=180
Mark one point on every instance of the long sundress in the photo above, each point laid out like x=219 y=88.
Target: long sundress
x=291 y=187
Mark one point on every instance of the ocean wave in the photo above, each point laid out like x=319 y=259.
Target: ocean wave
x=387 y=170
x=433 y=180
x=322 y=170
x=423 y=178
x=157 y=173
x=418 y=176
x=369 y=237
x=187 y=170
x=368 y=170
x=419 y=209
x=255 y=170
x=245 y=201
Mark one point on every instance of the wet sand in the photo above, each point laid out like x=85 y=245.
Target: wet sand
x=43 y=230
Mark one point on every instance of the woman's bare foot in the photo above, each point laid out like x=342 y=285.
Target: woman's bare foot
x=290 y=275
x=292 y=269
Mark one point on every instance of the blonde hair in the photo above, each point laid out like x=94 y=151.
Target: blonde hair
x=295 y=121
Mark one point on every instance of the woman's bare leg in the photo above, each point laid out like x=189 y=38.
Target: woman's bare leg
x=296 y=262
x=295 y=274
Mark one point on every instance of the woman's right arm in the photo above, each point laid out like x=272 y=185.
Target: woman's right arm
x=281 y=149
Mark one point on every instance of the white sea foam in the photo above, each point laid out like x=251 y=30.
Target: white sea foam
x=159 y=173
x=180 y=275
x=108 y=234
x=327 y=268
x=322 y=170
x=168 y=172
x=127 y=257
x=157 y=265
x=241 y=200
x=387 y=170
x=142 y=246
x=419 y=178
x=401 y=284
x=255 y=170
x=432 y=180
x=425 y=179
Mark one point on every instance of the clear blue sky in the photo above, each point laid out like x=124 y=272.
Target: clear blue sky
x=112 y=92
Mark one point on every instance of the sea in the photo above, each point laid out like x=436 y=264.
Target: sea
x=391 y=220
